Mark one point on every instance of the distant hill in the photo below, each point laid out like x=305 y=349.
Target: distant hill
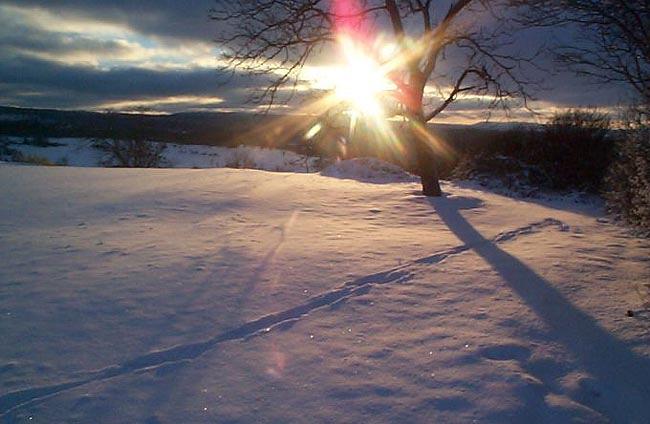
x=505 y=126
x=199 y=128
x=212 y=128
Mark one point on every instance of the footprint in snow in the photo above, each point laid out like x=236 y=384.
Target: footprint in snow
x=505 y=352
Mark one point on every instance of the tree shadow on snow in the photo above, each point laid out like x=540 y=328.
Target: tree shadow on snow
x=621 y=375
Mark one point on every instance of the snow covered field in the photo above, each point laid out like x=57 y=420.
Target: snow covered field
x=80 y=152
x=242 y=296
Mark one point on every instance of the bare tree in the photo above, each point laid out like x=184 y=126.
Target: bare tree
x=131 y=152
x=277 y=38
x=612 y=38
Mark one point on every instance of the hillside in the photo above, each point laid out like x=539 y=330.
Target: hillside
x=201 y=128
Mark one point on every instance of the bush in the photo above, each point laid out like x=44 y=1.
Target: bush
x=131 y=153
x=241 y=159
x=628 y=180
x=572 y=151
x=575 y=150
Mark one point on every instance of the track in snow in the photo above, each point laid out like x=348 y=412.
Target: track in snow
x=182 y=353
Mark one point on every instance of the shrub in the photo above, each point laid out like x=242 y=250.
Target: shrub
x=575 y=150
x=131 y=153
x=628 y=179
x=572 y=151
x=241 y=159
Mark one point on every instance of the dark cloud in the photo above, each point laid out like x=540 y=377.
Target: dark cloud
x=31 y=77
x=36 y=82
x=117 y=82
x=32 y=82
x=188 y=19
x=19 y=37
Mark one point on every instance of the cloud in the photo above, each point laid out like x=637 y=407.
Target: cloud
x=64 y=59
x=158 y=55
x=186 y=20
x=69 y=39
x=42 y=83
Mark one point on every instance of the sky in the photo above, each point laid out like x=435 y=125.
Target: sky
x=158 y=56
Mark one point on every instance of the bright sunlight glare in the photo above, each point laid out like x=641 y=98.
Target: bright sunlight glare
x=361 y=81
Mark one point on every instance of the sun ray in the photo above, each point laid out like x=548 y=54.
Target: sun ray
x=361 y=81
x=360 y=86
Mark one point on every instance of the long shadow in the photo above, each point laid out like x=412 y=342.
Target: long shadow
x=615 y=364
x=622 y=375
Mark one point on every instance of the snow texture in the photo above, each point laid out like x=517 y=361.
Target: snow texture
x=80 y=152
x=368 y=170
x=225 y=295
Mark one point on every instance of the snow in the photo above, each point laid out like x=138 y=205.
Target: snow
x=80 y=152
x=69 y=151
x=192 y=156
x=368 y=170
x=227 y=295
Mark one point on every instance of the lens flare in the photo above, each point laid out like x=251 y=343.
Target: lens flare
x=368 y=85
x=360 y=82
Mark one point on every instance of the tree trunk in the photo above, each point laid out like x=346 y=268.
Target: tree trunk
x=425 y=158
x=425 y=163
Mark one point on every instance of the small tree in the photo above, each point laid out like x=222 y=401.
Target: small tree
x=131 y=153
x=128 y=147
x=277 y=38
x=576 y=149
x=628 y=180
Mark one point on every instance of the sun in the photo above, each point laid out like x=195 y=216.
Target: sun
x=361 y=81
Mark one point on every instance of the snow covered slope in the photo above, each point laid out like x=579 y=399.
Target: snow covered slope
x=241 y=296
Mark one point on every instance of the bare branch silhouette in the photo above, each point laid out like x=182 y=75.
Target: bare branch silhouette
x=612 y=38
x=277 y=39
